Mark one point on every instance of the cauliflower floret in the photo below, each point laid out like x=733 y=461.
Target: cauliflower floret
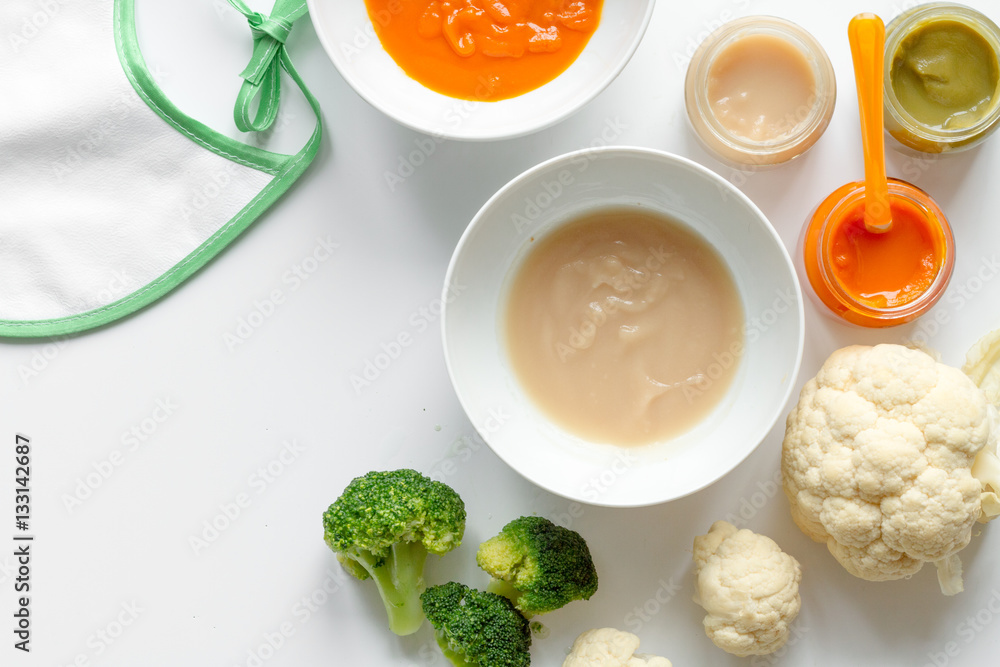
x=608 y=647
x=878 y=458
x=748 y=586
x=982 y=364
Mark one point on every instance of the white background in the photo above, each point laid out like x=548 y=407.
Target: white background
x=124 y=553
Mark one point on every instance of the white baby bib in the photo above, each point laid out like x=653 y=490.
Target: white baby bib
x=97 y=166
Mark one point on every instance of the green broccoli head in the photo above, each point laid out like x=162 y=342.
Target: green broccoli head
x=383 y=526
x=477 y=629
x=540 y=566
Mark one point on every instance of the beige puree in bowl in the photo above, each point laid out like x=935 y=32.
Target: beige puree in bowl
x=624 y=326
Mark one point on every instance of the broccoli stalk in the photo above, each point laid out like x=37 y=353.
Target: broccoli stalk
x=454 y=657
x=538 y=565
x=383 y=526
x=504 y=588
x=399 y=577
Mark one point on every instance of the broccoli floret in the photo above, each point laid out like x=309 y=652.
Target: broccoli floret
x=538 y=565
x=477 y=629
x=383 y=526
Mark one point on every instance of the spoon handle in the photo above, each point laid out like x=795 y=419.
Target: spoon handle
x=867 y=35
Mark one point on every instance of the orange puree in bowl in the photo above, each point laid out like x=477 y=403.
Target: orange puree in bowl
x=890 y=269
x=484 y=50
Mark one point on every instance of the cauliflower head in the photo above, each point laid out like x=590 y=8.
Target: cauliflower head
x=608 y=647
x=877 y=462
x=748 y=586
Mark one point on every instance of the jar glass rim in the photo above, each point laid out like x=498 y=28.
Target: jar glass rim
x=815 y=119
x=930 y=296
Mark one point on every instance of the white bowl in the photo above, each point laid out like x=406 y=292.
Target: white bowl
x=347 y=35
x=560 y=189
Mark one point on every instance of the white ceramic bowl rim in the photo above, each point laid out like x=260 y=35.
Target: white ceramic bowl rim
x=643 y=491
x=373 y=74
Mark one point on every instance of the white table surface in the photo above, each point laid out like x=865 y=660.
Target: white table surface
x=116 y=579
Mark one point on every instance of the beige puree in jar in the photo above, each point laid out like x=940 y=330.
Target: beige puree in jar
x=624 y=326
x=760 y=90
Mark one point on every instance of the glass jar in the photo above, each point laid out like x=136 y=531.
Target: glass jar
x=816 y=251
x=900 y=123
x=799 y=128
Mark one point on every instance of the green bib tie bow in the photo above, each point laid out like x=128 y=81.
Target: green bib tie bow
x=262 y=75
x=110 y=205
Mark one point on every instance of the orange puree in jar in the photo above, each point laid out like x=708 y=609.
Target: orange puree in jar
x=878 y=279
x=484 y=50
x=885 y=270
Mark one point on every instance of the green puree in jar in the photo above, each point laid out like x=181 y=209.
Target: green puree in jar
x=945 y=75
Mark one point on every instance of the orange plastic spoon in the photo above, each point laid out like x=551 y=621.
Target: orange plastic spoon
x=867 y=35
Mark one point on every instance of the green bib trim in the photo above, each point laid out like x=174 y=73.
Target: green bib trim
x=261 y=78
